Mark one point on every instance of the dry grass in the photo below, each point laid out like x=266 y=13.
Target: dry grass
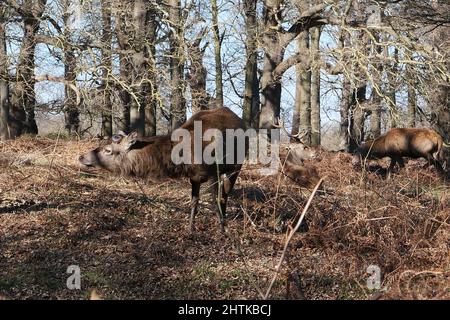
x=131 y=239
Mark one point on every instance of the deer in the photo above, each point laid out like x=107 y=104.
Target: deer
x=131 y=155
x=403 y=142
x=293 y=156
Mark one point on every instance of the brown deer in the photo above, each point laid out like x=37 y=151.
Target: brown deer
x=152 y=157
x=292 y=159
x=403 y=142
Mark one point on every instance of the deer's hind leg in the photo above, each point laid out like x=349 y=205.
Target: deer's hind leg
x=394 y=161
x=392 y=164
x=432 y=161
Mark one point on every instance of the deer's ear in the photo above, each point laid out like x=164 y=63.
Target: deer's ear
x=116 y=138
x=131 y=139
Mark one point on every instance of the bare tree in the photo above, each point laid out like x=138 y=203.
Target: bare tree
x=23 y=98
x=137 y=107
x=71 y=113
x=197 y=73
x=375 y=110
x=4 y=87
x=131 y=60
x=217 y=53
x=178 y=105
x=391 y=89
x=315 y=87
x=412 y=105
x=149 y=86
x=122 y=31
x=107 y=121
x=275 y=39
x=303 y=88
x=251 y=91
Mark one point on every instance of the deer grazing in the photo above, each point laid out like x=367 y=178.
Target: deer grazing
x=131 y=155
x=403 y=142
x=292 y=159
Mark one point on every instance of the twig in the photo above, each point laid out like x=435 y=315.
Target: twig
x=289 y=238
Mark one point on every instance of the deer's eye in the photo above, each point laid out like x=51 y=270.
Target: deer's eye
x=108 y=150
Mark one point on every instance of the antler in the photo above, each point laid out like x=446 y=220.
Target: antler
x=299 y=136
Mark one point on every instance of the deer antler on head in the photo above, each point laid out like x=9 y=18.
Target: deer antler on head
x=298 y=137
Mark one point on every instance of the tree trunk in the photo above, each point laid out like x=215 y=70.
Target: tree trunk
x=107 y=126
x=315 y=88
x=358 y=104
x=125 y=96
x=217 y=54
x=358 y=117
x=298 y=104
x=275 y=40
x=256 y=101
x=149 y=86
x=71 y=113
x=4 y=88
x=392 y=80
x=303 y=90
x=346 y=100
x=138 y=102
x=393 y=110
x=177 y=104
x=23 y=98
x=441 y=114
x=251 y=92
x=197 y=74
x=122 y=32
x=273 y=56
x=411 y=106
x=375 y=119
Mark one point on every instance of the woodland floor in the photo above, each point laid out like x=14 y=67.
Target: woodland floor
x=130 y=238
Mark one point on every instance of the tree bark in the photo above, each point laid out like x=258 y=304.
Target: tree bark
x=23 y=98
x=138 y=102
x=273 y=56
x=4 y=87
x=392 y=79
x=71 y=113
x=358 y=107
x=122 y=32
x=177 y=104
x=275 y=40
x=197 y=74
x=149 y=86
x=412 y=104
x=441 y=113
x=217 y=54
x=315 y=88
x=303 y=89
x=345 y=105
x=393 y=110
x=375 y=118
x=107 y=123
x=251 y=91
